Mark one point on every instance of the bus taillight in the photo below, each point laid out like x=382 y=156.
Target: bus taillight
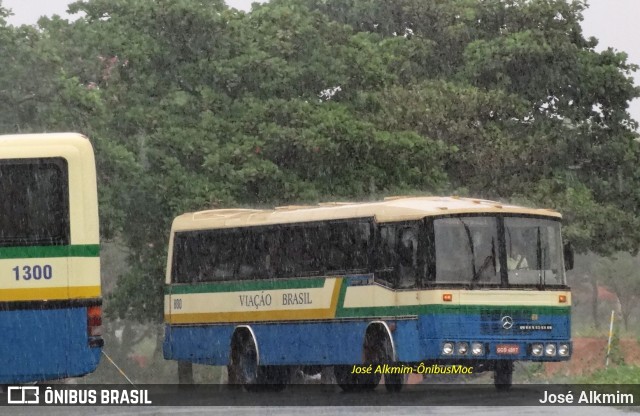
x=94 y=321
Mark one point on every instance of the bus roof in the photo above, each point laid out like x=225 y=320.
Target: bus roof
x=76 y=149
x=392 y=209
x=46 y=139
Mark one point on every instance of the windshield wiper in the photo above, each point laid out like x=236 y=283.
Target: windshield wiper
x=539 y=259
x=490 y=259
x=473 y=256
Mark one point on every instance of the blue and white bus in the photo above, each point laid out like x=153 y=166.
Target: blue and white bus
x=50 y=296
x=406 y=281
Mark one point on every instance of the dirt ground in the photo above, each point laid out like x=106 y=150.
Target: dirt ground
x=589 y=355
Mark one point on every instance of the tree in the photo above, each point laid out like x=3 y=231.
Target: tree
x=193 y=105
x=211 y=107
x=537 y=115
x=621 y=273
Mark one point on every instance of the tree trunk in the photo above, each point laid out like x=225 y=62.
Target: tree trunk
x=594 y=302
x=624 y=311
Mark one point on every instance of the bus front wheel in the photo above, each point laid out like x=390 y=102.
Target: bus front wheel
x=379 y=351
x=394 y=382
x=503 y=375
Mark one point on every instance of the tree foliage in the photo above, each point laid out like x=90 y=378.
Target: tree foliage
x=621 y=274
x=194 y=105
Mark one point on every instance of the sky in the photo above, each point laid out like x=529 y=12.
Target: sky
x=614 y=22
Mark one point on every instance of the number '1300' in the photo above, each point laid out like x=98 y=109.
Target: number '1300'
x=36 y=272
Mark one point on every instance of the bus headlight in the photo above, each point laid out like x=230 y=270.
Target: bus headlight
x=463 y=347
x=477 y=348
x=447 y=348
x=550 y=350
x=536 y=350
x=563 y=350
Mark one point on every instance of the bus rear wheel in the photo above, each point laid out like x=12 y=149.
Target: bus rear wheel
x=246 y=364
x=244 y=369
x=503 y=375
x=348 y=381
x=274 y=378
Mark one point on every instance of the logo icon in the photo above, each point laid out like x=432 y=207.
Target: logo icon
x=507 y=322
x=23 y=395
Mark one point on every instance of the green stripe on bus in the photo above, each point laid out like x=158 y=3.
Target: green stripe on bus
x=451 y=309
x=242 y=286
x=341 y=296
x=85 y=250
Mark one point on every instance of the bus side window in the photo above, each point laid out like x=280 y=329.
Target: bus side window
x=285 y=264
x=408 y=256
x=386 y=254
x=324 y=247
x=344 y=246
x=293 y=258
x=179 y=270
x=194 y=256
x=362 y=237
x=254 y=255
x=272 y=259
x=313 y=264
x=226 y=261
x=200 y=257
x=337 y=243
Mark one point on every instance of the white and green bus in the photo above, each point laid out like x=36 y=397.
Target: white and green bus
x=405 y=281
x=50 y=298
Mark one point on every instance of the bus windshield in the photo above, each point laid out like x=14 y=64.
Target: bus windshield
x=467 y=251
x=534 y=251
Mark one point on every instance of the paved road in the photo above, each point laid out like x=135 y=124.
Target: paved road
x=312 y=411
x=436 y=400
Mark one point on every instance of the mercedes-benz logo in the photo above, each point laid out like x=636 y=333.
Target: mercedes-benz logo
x=507 y=322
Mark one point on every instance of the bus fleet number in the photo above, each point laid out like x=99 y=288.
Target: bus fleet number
x=36 y=272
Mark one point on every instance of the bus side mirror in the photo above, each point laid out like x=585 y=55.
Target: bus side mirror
x=568 y=256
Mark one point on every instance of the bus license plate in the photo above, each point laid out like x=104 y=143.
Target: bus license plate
x=507 y=349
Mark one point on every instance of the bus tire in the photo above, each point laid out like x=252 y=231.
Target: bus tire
x=244 y=368
x=274 y=377
x=233 y=377
x=245 y=371
x=503 y=375
x=378 y=350
x=394 y=382
x=348 y=381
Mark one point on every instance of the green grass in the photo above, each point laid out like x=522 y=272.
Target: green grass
x=625 y=374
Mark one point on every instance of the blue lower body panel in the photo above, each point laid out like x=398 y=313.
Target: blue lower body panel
x=341 y=341
x=278 y=343
x=321 y=343
x=45 y=344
